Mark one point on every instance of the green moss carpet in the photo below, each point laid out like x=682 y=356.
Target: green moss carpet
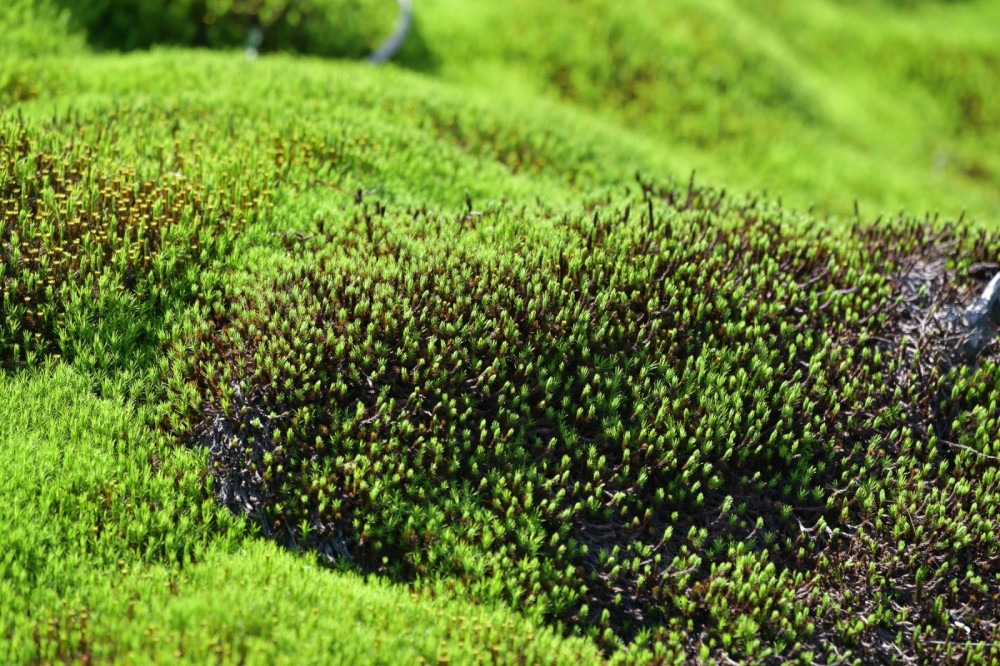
x=581 y=332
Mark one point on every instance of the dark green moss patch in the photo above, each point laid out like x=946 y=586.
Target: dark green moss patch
x=667 y=422
x=344 y=28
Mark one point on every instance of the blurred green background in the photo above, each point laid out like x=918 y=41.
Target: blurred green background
x=890 y=102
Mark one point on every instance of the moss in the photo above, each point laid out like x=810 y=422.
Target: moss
x=438 y=354
x=116 y=553
x=337 y=28
x=667 y=421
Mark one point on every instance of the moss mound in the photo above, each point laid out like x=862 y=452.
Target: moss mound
x=666 y=422
x=115 y=553
x=744 y=90
x=490 y=397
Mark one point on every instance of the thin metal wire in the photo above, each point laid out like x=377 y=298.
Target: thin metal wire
x=394 y=42
x=979 y=320
x=385 y=52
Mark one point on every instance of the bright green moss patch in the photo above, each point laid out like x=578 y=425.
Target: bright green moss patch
x=87 y=492
x=262 y=605
x=32 y=35
x=889 y=101
x=114 y=550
